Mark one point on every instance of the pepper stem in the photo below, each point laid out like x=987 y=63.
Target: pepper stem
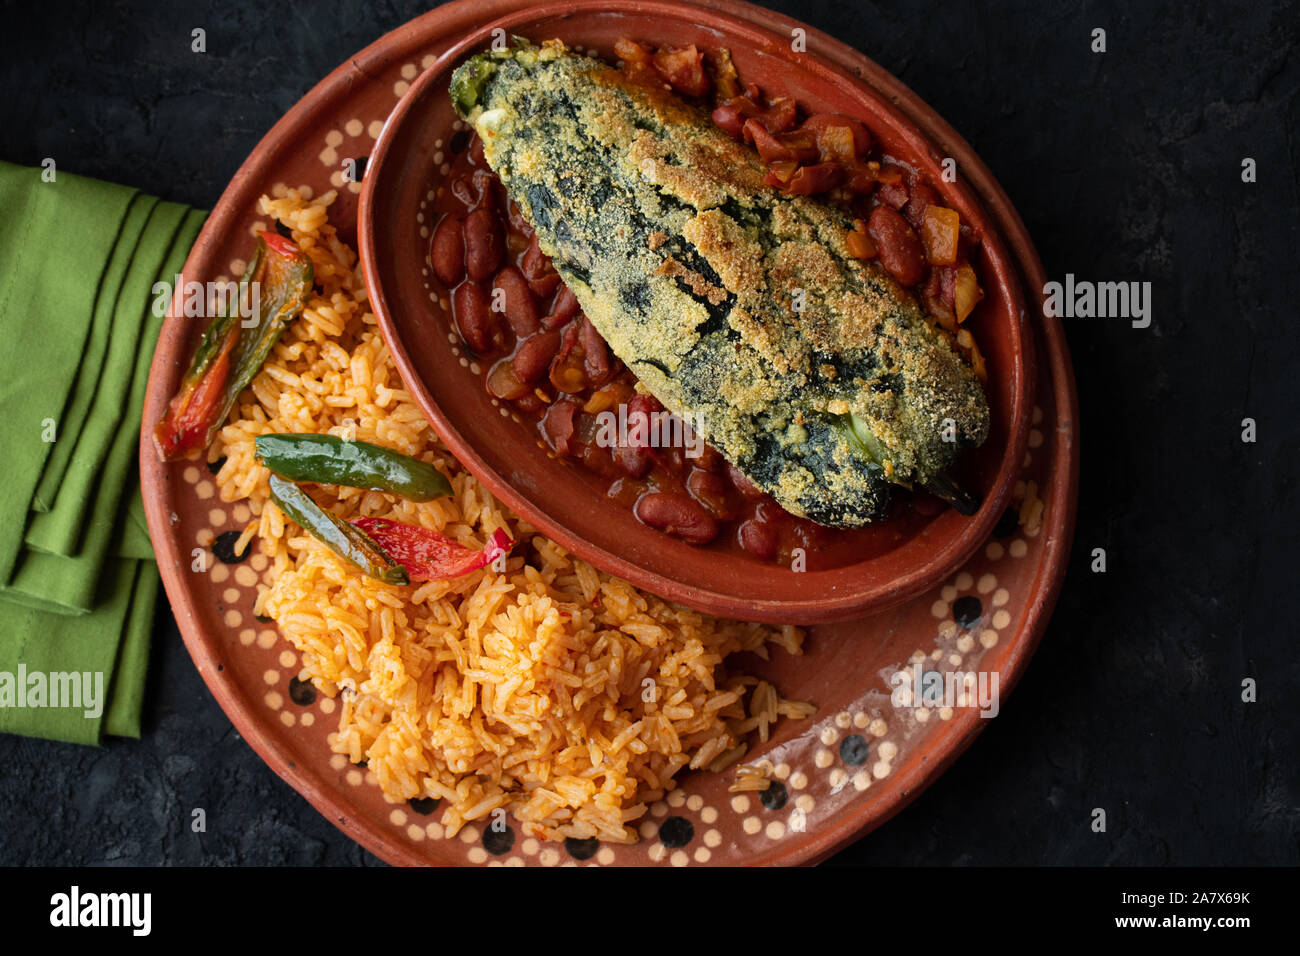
x=945 y=486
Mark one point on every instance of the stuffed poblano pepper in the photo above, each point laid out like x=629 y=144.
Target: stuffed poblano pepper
x=738 y=307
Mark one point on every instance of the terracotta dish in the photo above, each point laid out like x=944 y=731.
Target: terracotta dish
x=567 y=501
x=981 y=589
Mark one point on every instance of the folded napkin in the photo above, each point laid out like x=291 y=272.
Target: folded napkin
x=78 y=585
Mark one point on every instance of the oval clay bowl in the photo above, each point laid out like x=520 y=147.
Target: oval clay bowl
x=565 y=500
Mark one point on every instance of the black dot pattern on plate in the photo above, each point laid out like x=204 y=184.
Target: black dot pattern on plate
x=853 y=749
x=264 y=618
x=223 y=546
x=966 y=611
x=676 y=832
x=215 y=466
x=424 y=805
x=459 y=140
x=283 y=230
x=775 y=796
x=581 y=849
x=302 y=692
x=1007 y=524
x=497 y=841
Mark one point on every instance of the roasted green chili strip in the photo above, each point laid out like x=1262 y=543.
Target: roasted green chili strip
x=347 y=541
x=356 y=464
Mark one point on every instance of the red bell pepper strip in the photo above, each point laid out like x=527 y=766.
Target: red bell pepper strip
x=230 y=355
x=428 y=555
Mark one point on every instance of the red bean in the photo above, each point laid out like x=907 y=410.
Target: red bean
x=566 y=371
x=598 y=460
x=503 y=382
x=634 y=461
x=517 y=301
x=710 y=459
x=670 y=458
x=557 y=426
x=554 y=322
x=900 y=249
x=677 y=515
x=476 y=157
x=477 y=325
x=484 y=244
x=758 y=538
x=535 y=263
x=566 y=304
x=921 y=197
x=595 y=361
x=545 y=287
x=731 y=115
x=713 y=492
x=533 y=357
x=462 y=188
x=517 y=221
x=447 y=251
x=893 y=194
x=486 y=185
x=743 y=484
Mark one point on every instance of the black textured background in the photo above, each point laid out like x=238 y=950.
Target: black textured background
x=1125 y=166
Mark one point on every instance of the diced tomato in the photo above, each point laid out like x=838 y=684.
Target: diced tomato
x=828 y=124
x=859 y=241
x=629 y=51
x=684 y=70
x=778 y=174
x=726 y=81
x=967 y=292
x=638 y=64
x=939 y=231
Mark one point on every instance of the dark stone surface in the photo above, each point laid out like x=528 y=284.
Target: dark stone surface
x=1124 y=166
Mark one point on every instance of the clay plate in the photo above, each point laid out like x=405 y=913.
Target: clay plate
x=838 y=775
x=567 y=501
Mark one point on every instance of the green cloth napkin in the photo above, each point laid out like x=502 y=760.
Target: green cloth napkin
x=92 y=360
x=78 y=585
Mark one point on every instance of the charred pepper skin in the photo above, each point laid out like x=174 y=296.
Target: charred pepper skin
x=814 y=372
x=346 y=540
x=328 y=459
